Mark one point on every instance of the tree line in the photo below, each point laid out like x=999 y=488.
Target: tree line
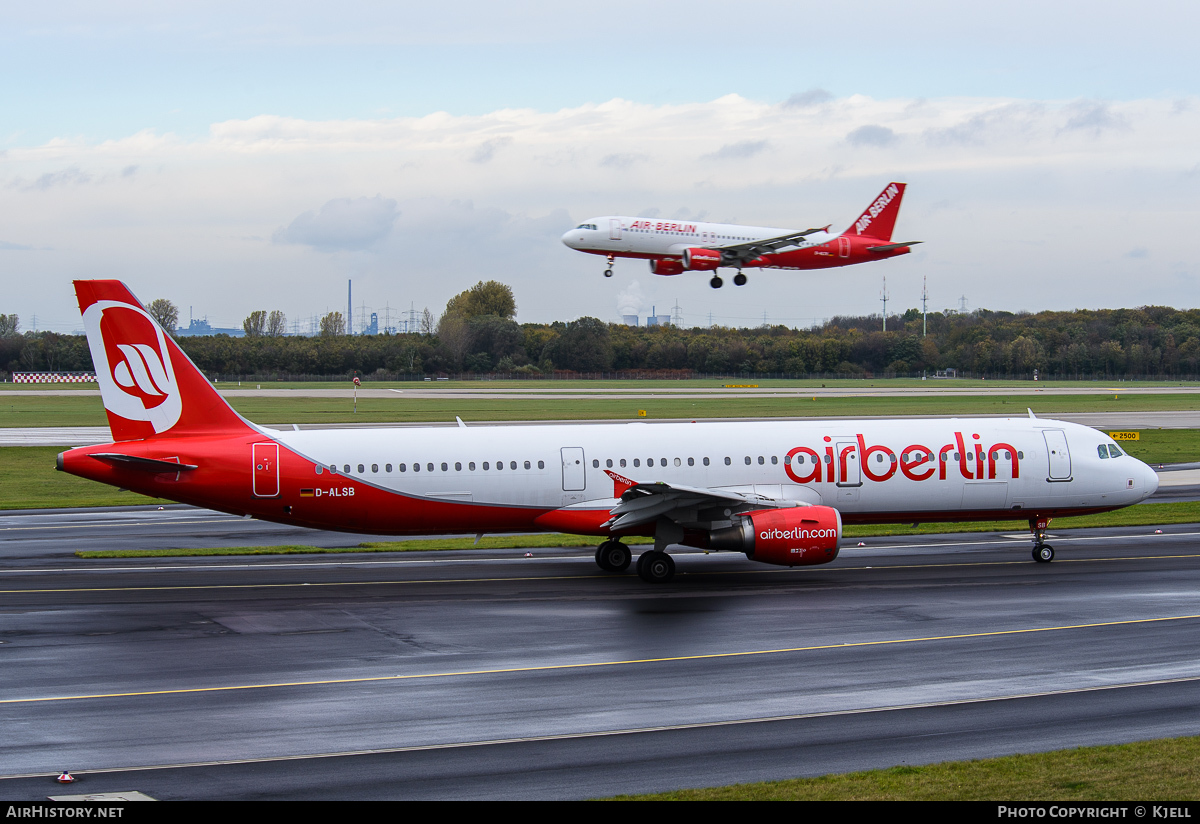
x=477 y=333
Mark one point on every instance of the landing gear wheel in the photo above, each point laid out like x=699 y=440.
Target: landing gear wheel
x=608 y=273
x=716 y=282
x=1043 y=553
x=655 y=567
x=739 y=279
x=613 y=556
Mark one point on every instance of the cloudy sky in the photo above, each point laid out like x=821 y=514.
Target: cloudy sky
x=233 y=159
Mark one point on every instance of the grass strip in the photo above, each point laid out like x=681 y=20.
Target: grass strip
x=1165 y=770
x=1143 y=515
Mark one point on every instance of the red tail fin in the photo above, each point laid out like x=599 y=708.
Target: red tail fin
x=149 y=386
x=879 y=219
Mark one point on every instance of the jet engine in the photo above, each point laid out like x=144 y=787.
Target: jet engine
x=666 y=266
x=701 y=259
x=796 y=536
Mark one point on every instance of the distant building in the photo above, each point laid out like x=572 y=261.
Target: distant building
x=629 y=320
x=201 y=326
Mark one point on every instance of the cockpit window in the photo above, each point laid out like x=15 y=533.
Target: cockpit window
x=591 y=226
x=1102 y=451
x=1115 y=450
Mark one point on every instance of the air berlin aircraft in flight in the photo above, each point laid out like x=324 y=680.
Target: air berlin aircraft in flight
x=675 y=247
x=777 y=491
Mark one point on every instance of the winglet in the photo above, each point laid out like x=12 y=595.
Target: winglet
x=460 y=422
x=1031 y=415
x=621 y=484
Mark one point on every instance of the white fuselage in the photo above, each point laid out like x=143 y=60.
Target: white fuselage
x=645 y=237
x=867 y=469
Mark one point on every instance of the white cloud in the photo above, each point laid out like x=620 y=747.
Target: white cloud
x=191 y=222
x=342 y=225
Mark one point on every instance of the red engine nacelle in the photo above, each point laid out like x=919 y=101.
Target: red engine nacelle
x=701 y=259
x=797 y=536
x=666 y=266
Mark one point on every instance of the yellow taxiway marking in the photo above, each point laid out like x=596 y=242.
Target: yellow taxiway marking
x=567 y=736
x=600 y=664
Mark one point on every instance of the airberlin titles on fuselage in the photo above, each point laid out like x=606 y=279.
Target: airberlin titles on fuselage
x=915 y=462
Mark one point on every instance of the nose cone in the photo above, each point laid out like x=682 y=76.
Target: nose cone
x=572 y=238
x=1149 y=481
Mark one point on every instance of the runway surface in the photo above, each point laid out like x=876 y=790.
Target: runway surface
x=484 y=674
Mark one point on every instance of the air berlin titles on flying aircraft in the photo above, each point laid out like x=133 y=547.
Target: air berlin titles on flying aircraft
x=674 y=248
x=732 y=485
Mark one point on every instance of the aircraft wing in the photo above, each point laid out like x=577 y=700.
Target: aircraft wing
x=750 y=250
x=646 y=503
x=888 y=247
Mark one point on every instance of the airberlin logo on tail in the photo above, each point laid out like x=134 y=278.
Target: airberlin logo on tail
x=878 y=206
x=133 y=365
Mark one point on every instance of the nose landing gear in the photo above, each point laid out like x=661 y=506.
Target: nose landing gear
x=608 y=271
x=1043 y=553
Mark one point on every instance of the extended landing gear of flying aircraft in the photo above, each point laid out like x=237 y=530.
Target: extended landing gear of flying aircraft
x=739 y=279
x=608 y=271
x=655 y=567
x=716 y=282
x=613 y=556
x=1043 y=553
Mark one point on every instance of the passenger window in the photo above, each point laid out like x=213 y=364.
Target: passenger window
x=747 y=460
x=402 y=467
x=691 y=461
x=595 y=464
x=828 y=459
x=774 y=459
x=429 y=467
x=416 y=467
x=608 y=463
x=728 y=461
x=706 y=461
x=678 y=462
x=622 y=463
x=471 y=466
x=387 y=467
x=541 y=464
x=1020 y=456
x=527 y=465
x=499 y=464
x=485 y=465
x=320 y=470
x=375 y=467
x=512 y=464
x=346 y=469
x=445 y=467
x=361 y=470
x=760 y=460
x=662 y=461
x=637 y=461
x=457 y=466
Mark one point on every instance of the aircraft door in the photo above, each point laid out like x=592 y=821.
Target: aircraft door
x=844 y=247
x=265 y=480
x=614 y=229
x=848 y=471
x=573 y=476
x=1059 y=455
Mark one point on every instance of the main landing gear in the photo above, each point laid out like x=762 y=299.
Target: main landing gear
x=655 y=567
x=1043 y=553
x=608 y=271
x=613 y=556
x=738 y=280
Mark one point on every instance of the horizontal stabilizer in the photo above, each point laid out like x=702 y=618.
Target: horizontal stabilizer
x=144 y=464
x=892 y=246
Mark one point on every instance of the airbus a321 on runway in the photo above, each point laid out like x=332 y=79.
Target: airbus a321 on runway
x=675 y=247
x=777 y=491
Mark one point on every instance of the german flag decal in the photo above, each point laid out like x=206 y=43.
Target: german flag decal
x=306 y=493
